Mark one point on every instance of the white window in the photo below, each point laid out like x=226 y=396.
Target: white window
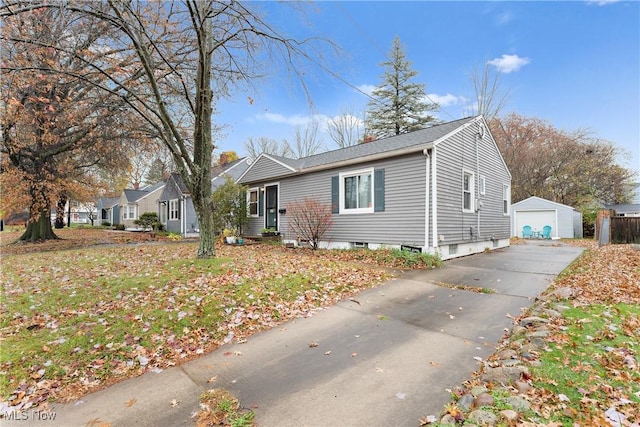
x=163 y=213
x=506 y=199
x=482 y=185
x=467 y=191
x=356 y=191
x=252 y=202
x=129 y=212
x=174 y=209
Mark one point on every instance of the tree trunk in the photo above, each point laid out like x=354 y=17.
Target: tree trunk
x=39 y=229
x=202 y=142
x=206 y=246
x=59 y=223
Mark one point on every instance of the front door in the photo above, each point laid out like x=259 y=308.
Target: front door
x=271 y=206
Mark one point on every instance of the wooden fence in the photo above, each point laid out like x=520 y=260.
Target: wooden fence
x=625 y=229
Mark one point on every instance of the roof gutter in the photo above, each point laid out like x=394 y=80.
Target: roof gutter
x=373 y=157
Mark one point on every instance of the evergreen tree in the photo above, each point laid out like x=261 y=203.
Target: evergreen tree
x=157 y=171
x=399 y=105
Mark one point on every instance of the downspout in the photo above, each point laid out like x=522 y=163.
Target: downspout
x=478 y=136
x=183 y=218
x=426 y=199
x=434 y=200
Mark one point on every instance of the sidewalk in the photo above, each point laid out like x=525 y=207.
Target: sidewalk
x=387 y=357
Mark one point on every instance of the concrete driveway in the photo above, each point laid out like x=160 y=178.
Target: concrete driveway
x=387 y=357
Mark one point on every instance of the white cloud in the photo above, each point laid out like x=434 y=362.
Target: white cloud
x=602 y=2
x=295 y=120
x=509 y=63
x=367 y=89
x=446 y=100
x=504 y=18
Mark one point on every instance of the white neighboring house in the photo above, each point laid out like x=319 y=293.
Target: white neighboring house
x=81 y=213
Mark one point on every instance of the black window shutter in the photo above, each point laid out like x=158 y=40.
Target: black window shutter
x=335 y=194
x=260 y=203
x=378 y=190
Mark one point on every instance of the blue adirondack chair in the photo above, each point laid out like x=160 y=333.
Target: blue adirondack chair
x=526 y=231
x=546 y=232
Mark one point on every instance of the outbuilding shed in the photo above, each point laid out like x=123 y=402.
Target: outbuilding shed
x=536 y=213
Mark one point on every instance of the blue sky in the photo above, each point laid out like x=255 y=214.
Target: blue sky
x=575 y=64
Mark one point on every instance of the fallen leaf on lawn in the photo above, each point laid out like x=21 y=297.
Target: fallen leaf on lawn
x=97 y=422
x=429 y=419
x=130 y=402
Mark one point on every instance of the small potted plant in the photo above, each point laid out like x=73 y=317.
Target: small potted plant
x=229 y=236
x=270 y=231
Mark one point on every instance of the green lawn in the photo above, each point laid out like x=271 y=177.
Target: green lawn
x=75 y=320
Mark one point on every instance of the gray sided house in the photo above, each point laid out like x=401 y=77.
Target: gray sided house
x=536 y=213
x=626 y=210
x=444 y=190
x=108 y=210
x=138 y=201
x=176 y=210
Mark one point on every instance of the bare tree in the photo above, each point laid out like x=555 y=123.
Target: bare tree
x=257 y=146
x=491 y=98
x=346 y=128
x=182 y=53
x=306 y=141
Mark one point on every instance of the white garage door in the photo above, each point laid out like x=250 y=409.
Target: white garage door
x=536 y=220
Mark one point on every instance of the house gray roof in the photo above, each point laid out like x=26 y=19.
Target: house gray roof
x=107 y=202
x=234 y=170
x=179 y=182
x=393 y=143
x=539 y=200
x=134 y=195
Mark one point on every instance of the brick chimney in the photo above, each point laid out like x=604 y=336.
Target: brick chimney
x=223 y=159
x=136 y=185
x=369 y=138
